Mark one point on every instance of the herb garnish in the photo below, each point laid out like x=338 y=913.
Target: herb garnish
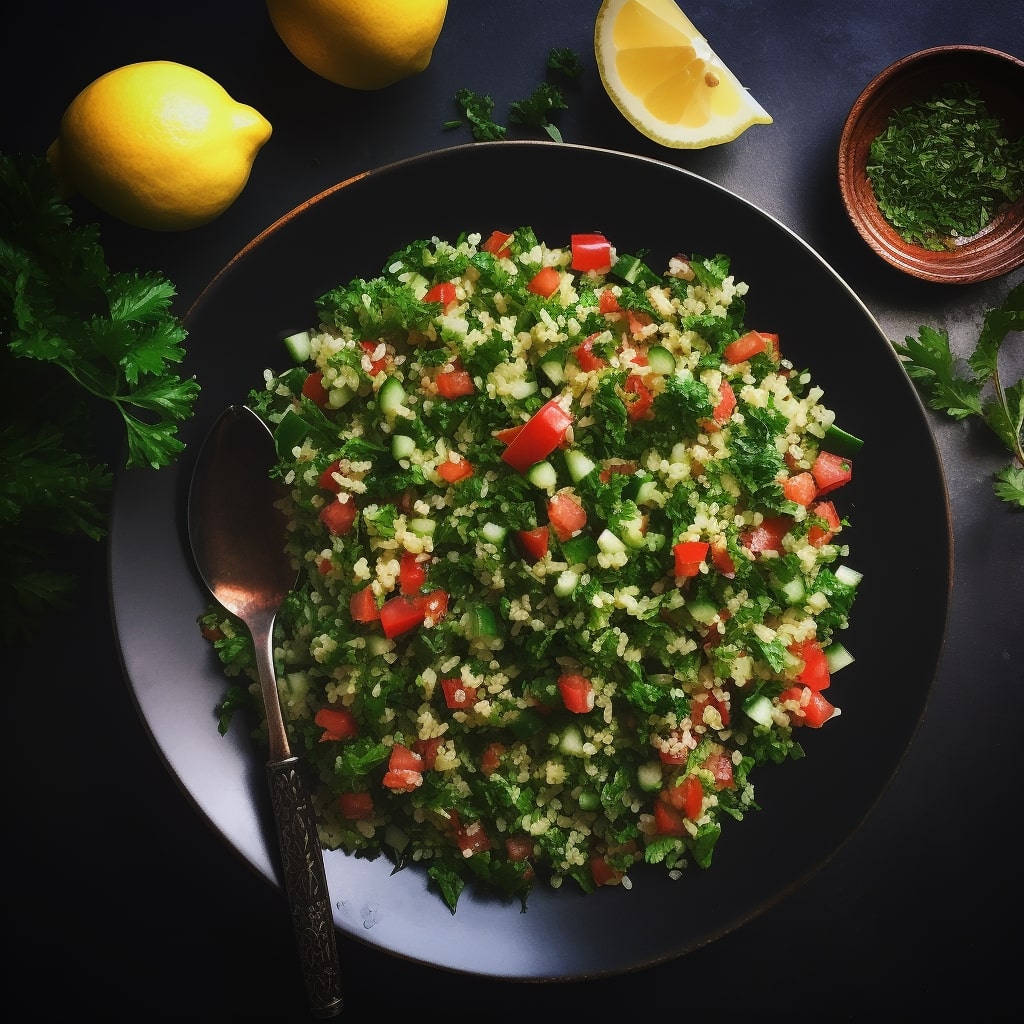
x=76 y=337
x=977 y=389
x=943 y=168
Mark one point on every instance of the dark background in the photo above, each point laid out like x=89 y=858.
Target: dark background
x=122 y=904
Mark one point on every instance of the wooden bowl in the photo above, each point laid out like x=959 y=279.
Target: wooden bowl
x=999 y=78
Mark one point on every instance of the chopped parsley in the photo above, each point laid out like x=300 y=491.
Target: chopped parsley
x=943 y=168
x=975 y=388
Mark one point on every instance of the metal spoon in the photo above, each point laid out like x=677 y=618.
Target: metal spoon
x=237 y=537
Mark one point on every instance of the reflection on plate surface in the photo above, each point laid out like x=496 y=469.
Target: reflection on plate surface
x=808 y=807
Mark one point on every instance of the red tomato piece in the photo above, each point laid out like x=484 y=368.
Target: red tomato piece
x=327 y=481
x=800 y=488
x=497 y=245
x=339 y=516
x=689 y=555
x=402 y=780
x=590 y=252
x=628 y=468
x=337 y=723
x=638 y=321
x=720 y=766
x=545 y=282
x=490 y=759
x=412 y=573
x=768 y=536
x=404 y=758
x=538 y=437
x=356 y=806
x=433 y=605
x=700 y=702
x=313 y=388
x=815 y=713
x=602 y=872
x=509 y=434
x=687 y=795
x=639 y=397
x=427 y=749
x=831 y=471
x=668 y=820
x=722 y=560
x=748 y=345
x=577 y=692
x=375 y=365
x=584 y=354
x=443 y=292
x=607 y=302
x=815 y=672
x=818 y=535
x=566 y=515
x=452 y=471
x=457 y=695
x=534 y=542
x=469 y=838
x=400 y=614
x=362 y=606
x=454 y=383
x=519 y=848
x=724 y=409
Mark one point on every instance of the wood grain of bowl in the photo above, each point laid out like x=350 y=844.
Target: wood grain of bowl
x=999 y=78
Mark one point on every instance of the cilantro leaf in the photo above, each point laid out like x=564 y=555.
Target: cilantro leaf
x=1009 y=485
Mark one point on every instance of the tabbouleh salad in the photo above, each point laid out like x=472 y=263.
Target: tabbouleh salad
x=569 y=561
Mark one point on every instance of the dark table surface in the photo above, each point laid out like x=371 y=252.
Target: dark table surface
x=122 y=904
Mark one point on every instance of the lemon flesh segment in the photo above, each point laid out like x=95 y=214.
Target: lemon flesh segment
x=666 y=80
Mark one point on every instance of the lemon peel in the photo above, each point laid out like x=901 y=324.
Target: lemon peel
x=666 y=80
x=158 y=145
x=361 y=44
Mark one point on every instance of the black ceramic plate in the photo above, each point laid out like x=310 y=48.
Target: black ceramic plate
x=900 y=540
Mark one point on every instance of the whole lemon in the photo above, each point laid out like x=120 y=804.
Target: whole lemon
x=157 y=144
x=361 y=44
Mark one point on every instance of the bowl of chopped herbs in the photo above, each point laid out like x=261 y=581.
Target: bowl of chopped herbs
x=931 y=164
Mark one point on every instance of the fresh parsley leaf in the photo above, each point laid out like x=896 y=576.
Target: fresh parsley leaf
x=975 y=387
x=565 y=61
x=534 y=112
x=478 y=109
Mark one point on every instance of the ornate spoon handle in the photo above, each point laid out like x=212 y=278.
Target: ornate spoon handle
x=306 y=886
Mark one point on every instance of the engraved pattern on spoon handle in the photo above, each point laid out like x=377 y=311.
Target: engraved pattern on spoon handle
x=306 y=886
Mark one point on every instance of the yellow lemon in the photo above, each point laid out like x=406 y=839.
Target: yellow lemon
x=665 y=78
x=361 y=44
x=158 y=145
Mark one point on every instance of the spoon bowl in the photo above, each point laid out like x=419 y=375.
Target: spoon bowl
x=237 y=532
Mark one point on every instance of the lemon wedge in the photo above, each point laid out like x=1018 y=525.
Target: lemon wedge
x=665 y=78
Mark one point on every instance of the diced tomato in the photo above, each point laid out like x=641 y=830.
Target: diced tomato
x=818 y=535
x=443 y=292
x=639 y=397
x=339 y=516
x=750 y=344
x=324 y=566
x=678 y=754
x=607 y=302
x=668 y=820
x=404 y=758
x=519 y=847
x=638 y=321
x=211 y=633
x=400 y=614
x=469 y=838
x=534 y=542
x=337 y=723
x=313 y=388
x=497 y=245
x=831 y=471
x=686 y=795
x=724 y=409
x=457 y=695
x=490 y=759
x=566 y=515
x=412 y=573
x=326 y=481
x=545 y=282
x=452 y=472
x=602 y=872
x=768 y=536
x=427 y=749
x=627 y=468
x=402 y=779
x=701 y=701
x=539 y=436
x=362 y=606
x=815 y=713
x=815 y=672
x=454 y=383
x=689 y=555
x=584 y=353
x=800 y=488
x=722 y=560
x=433 y=605
x=720 y=766
x=356 y=806
x=376 y=365
x=577 y=692
x=590 y=252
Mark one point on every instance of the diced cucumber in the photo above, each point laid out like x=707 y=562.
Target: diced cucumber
x=793 y=591
x=290 y=433
x=848 y=577
x=589 y=801
x=492 y=533
x=391 y=396
x=702 y=611
x=609 y=543
x=543 y=475
x=298 y=346
x=649 y=776
x=566 y=582
x=838 y=656
x=479 y=621
x=422 y=527
x=402 y=446
x=554 y=370
x=759 y=708
x=633 y=532
x=578 y=464
x=838 y=438
x=660 y=360
x=570 y=742
x=655 y=541
x=579 y=550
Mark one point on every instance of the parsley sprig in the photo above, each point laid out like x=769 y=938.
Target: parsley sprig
x=78 y=340
x=975 y=388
